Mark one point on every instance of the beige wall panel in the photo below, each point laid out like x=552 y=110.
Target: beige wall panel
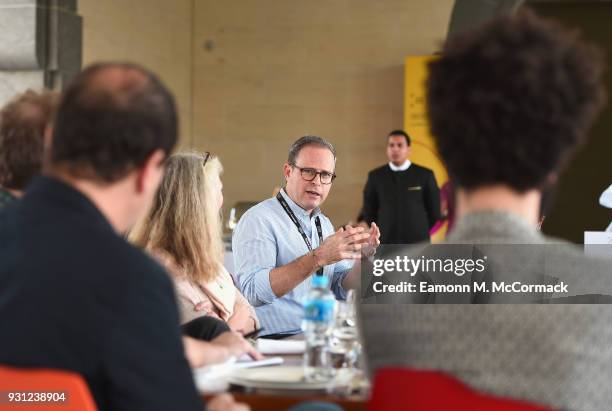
x=266 y=72
x=154 y=33
x=273 y=71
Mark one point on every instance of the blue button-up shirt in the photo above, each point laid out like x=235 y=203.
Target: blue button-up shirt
x=266 y=238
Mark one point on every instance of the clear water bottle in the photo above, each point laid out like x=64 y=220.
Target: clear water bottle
x=318 y=323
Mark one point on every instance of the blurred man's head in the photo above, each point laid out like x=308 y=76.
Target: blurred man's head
x=510 y=102
x=115 y=125
x=23 y=122
x=398 y=147
x=310 y=171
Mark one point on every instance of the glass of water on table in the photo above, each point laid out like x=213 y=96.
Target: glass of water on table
x=345 y=349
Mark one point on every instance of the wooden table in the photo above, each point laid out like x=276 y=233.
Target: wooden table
x=281 y=400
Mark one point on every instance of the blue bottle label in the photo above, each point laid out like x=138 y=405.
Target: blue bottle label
x=319 y=310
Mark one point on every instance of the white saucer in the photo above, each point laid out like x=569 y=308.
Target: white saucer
x=289 y=378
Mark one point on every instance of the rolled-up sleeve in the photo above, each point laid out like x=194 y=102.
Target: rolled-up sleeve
x=341 y=270
x=254 y=250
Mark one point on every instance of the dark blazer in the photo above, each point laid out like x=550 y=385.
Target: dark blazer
x=74 y=295
x=404 y=204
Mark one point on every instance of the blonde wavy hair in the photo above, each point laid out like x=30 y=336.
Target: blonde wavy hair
x=184 y=221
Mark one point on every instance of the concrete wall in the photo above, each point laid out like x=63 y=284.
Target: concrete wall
x=250 y=77
x=154 y=33
x=40 y=45
x=268 y=72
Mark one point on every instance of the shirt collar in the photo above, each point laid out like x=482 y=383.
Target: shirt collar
x=403 y=167
x=297 y=210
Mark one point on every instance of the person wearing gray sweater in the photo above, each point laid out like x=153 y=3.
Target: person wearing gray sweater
x=509 y=102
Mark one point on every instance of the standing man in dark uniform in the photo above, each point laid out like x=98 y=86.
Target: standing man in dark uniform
x=401 y=197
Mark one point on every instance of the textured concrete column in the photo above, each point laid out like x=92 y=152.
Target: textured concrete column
x=40 y=44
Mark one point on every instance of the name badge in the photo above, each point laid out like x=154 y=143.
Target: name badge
x=415 y=188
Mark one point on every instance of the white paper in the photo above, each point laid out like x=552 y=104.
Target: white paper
x=213 y=378
x=597 y=237
x=247 y=362
x=268 y=347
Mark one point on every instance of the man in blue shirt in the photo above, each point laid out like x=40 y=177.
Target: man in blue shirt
x=282 y=241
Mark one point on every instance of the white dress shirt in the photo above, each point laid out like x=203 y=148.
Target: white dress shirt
x=403 y=167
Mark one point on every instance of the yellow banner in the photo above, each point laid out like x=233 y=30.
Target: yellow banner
x=416 y=123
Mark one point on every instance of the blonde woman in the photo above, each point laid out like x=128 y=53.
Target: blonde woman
x=183 y=231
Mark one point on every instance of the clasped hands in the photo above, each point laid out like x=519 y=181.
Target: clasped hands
x=348 y=243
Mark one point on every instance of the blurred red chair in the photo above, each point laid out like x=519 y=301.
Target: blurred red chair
x=24 y=380
x=420 y=390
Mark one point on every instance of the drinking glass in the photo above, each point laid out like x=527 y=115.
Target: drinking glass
x=345 y=349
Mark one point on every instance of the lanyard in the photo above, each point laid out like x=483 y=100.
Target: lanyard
x=293 y=218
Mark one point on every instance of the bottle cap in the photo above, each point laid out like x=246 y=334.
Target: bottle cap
x=319 y=281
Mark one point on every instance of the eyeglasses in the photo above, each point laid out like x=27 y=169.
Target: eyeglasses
x=310 y=174
x=206 y=157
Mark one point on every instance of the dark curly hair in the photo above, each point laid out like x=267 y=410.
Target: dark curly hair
x=510 y=101
x=22 y=127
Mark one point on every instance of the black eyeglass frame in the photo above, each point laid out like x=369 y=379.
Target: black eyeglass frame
x=206 y=157
x=316 y=173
